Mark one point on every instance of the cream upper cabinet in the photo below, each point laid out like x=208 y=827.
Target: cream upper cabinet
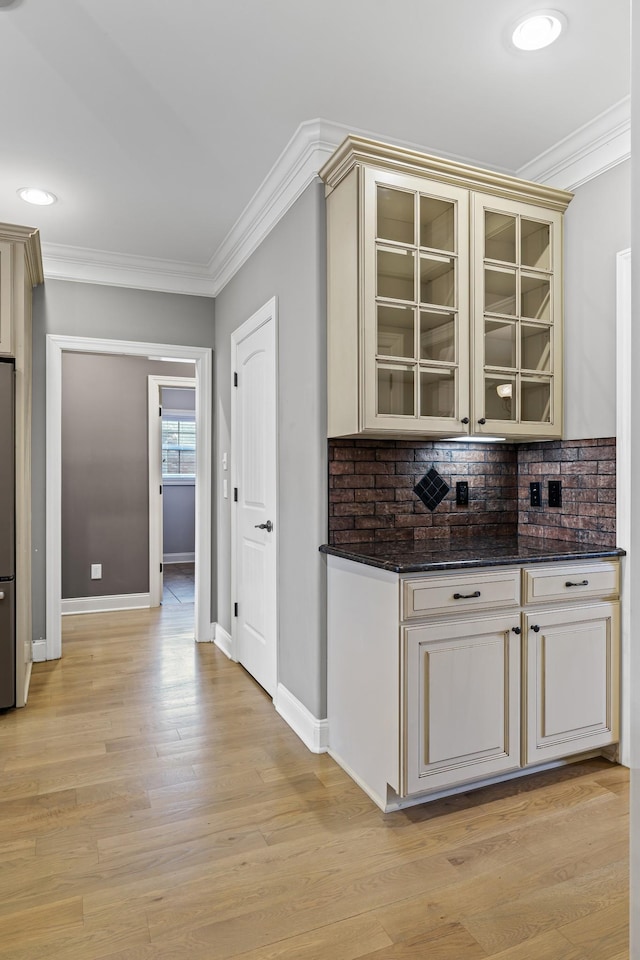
x=517 y=318
x=444 y=297
x=415 y=333
x=6 y=299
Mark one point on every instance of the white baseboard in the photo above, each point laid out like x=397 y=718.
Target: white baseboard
x=314 y=733
x=179 y=558
x=223 y=640
x=39 y=651
x=126 y=601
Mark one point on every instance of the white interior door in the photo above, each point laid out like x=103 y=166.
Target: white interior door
x=254 y=452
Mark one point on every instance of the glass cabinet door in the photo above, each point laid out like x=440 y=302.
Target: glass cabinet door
x=517 y=317
x=416 y=304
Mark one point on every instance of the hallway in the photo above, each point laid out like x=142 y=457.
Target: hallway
x=154 y=806
x=178 y=583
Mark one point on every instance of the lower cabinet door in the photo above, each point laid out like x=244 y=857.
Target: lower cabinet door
x=461 y=703
x=572 y=685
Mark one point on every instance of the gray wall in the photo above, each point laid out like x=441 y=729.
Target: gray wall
x=289 y=264
x=117 y=313
x=598 y=225
x=178 y=519
x=105 y=471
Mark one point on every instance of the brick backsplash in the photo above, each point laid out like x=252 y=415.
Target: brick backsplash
x=371 y=490
x=371 y=494
x=587 y=470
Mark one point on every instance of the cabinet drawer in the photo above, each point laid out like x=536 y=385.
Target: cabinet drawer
x=481 y=590
x=571 y=581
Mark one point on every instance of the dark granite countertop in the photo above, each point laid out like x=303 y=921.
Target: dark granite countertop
x=425 y=556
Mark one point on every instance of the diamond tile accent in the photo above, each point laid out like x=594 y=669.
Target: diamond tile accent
x=432 y=489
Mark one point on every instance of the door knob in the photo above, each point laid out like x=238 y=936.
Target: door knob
x=268 y=526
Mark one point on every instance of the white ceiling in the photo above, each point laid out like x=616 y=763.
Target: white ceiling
x=155 y=122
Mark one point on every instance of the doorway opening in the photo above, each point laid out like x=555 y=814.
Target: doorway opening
x=172 y=488
x=57 y=346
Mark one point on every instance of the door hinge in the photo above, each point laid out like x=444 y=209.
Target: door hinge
x=235 y=609
x=160 y=489
x=159 y=411
x=160 y=568
x=235 y=494
x=235 y=379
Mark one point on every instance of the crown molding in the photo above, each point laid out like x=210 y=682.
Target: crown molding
x=295 y=169
x=586 y=153
x=83 y=265
x=590 y=150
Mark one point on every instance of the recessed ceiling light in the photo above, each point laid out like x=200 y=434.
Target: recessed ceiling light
x=34 y=195
x=538 y=30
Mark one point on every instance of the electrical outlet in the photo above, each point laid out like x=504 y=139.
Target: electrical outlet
x=462 y=493
x=535 y=493
x=96 y=571
x=555 y=493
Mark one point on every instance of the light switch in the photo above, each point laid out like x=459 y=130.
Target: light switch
x=224 y=461
x=225 y=489
x=96 y=571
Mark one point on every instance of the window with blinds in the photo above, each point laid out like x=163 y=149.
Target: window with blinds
x=178 y=445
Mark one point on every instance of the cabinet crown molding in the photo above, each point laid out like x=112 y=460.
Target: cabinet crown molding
x=354 y=151
x=29 y=237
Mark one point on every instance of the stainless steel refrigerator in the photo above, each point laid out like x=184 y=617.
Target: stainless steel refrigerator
x=7 y=536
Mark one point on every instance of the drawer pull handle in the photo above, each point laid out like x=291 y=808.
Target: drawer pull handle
x=583 y=583
x=516 y=630
x=466 y=596
x=535 y=628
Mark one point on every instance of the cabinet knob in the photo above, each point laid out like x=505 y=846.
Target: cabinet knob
x=516 y=630
x=535 y=628
x=465 y=420
x=482 y=420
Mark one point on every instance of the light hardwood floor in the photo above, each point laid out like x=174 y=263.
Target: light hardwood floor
x=155 y=807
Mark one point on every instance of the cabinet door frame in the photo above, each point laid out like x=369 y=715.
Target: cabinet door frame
x=371 y=421
x=7 y=347
x=417 y=643
x=540 y=746
x=515 y=428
